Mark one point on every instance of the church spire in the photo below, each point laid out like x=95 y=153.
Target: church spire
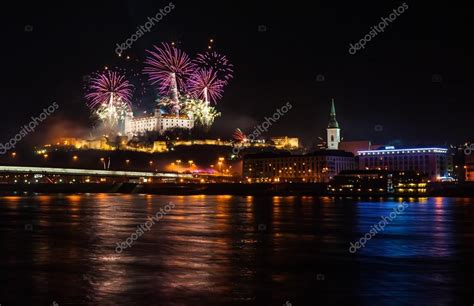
x=333 y=130
x=332 y=121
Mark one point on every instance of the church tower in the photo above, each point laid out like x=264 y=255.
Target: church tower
x=334 y=132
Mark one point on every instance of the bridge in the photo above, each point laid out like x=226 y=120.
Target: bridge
x=45 y=171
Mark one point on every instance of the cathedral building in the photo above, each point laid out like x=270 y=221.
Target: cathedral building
x=317 y=167
x=333 y=130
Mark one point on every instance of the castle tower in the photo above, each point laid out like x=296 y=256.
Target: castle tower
x=128 y=123
x=334 y=132
x=157 y=112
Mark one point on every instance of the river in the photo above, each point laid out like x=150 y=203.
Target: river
x=234 y=250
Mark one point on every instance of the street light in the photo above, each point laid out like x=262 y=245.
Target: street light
x=103 y=162
x=14 y=154
x=74 y=157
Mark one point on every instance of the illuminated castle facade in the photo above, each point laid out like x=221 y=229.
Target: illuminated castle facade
x=157 y=122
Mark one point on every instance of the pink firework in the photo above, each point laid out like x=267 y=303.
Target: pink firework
x=204 y=84
x=168 y=67
x=108 y=87
x=218 y=62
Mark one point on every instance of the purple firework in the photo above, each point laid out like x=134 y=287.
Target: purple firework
x=218 y=62
x=107 y=87
x=205 y=85
x=168 y=67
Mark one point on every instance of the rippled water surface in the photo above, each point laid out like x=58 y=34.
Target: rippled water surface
x=233 y=250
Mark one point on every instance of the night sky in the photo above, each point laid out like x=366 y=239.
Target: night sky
x=414 y=80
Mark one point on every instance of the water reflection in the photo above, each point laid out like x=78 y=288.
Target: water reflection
x=218 y=250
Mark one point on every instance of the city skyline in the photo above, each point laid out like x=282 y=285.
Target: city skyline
x=172 y=152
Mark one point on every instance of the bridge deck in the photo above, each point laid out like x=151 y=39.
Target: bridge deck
x=90 y=172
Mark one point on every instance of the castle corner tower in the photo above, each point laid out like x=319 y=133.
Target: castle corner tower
x=334 y=132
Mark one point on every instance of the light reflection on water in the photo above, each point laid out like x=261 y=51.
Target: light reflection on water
x=220 y=250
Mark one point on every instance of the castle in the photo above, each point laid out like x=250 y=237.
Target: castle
x=156 y=122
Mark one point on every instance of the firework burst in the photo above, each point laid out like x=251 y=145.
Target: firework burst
x=218 y=62
x=109 y=98
x=204 y=84
x=203 y=114
x=109 y=87
x=111 y=114
x=169 y=68
x=239 y=136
